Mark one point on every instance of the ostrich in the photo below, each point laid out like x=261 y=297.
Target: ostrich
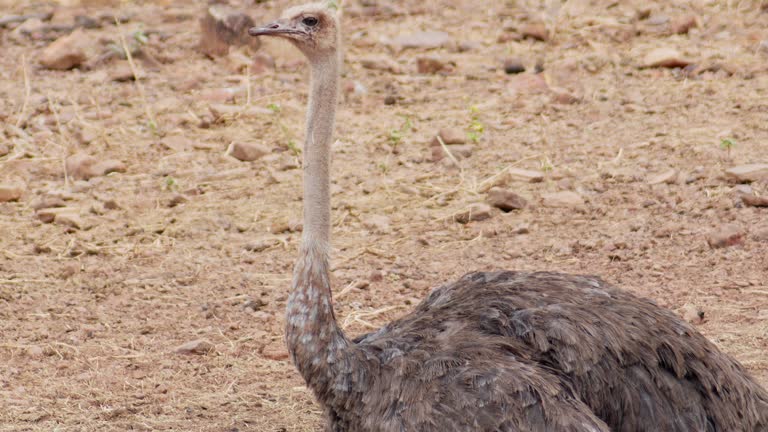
x=497 y=351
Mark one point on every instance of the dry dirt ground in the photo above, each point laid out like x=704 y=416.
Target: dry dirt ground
x=189 y=243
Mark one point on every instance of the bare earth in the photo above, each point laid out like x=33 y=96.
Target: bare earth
x=190 y=243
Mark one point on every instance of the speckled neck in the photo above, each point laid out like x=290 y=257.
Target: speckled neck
x=316 y=343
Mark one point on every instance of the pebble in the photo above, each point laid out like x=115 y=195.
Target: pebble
x=83 y=166
x=177 y=143
x=5 y=148
x=563 y=199
x=459 y=151
x=382 y=63
x=761 y=235
x=379 y=224
x=537 y=31
x=692 y=313
x=222 y=27
x=683 y=24
x=66 y=52
x=748 y=173
x=528 y=84
x=66 y=216
x=422 y=40
x=431 y=65
x=246 y=151
x=260 y=245
x=11 y=192
x=275 y=351
x=529 y=176
x=505 y=199
x=199 y=346
x=123 y=72
x=450 y=136
x=513 y=65
x=667 y=177
x=475 y=212
x=47 y=201
x=728 y=235
x=755 y=201
x=666 y=58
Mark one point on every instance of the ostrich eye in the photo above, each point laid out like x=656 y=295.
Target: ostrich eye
x=310 y=21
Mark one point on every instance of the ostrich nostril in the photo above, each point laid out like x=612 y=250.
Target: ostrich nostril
x=274 y=26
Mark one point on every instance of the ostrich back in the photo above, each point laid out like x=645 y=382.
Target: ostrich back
x=514 y=351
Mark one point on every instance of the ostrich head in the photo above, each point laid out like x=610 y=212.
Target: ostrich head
x=313 y=28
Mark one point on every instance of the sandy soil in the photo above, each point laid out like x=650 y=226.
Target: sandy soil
x=189 y=243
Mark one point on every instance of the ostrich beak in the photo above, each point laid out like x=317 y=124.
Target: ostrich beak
x=275 y=28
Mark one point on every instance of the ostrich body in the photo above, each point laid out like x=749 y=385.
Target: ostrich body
x=504 y=351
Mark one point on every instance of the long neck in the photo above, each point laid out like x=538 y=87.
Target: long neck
x=316 y=343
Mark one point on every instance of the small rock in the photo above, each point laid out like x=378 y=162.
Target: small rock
x=260 y=245
x=513 y=65
x=66 y=216
x=5 y=148
x=658 y=19
x=422 y=40
x=199 y=346
x=564 y=199
x=275 y=351
x=450 y=136
x=246 y=151
x=564 y=97
x=34 y=351
x=69 y=219
x=667 y=177
x=761 y=235
x=83 y=166
x=665 y=57
x=528 y=84
x=385 y=64
x=177 y=143
x=254 y=304
x=763 y=47
x=683 y=24
x=11 y=192
x=475 y=212
x=537 y=31
x=377 y=223
x=755 y=201
x=459 y=151
x=748 y=173
x=221 y=28
x=65 y=52
x=692 y=313
x=743 y=188
x=505 y=199
x=525 y=175
x=431 y=65
x=47 y=201
x=728 y=235
x=123 y=72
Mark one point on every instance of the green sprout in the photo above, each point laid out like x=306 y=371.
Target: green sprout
x=396 y=135
x=275 y=108
x=170 y=183
x=546 y=165
x=294 y=148
x=727 y=145
x=476 y=127
x=140 y=37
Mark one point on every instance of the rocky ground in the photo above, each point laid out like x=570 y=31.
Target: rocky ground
x=150 y=204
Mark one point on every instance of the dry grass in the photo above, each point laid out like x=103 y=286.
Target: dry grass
x=91 y=317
